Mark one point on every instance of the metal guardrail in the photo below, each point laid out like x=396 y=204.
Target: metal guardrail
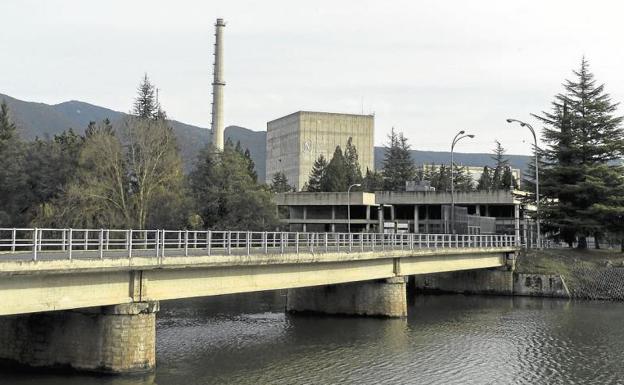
x=96 y=243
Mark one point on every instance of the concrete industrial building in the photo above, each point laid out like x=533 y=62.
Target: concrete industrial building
x=295 y=141
x=499 y=212
x=218 y=84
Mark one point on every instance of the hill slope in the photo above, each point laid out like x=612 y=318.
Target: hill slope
x=44 y=121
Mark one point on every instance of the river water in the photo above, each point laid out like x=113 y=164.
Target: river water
x=447 y=339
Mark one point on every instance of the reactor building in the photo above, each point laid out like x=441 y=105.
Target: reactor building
x=294 y=142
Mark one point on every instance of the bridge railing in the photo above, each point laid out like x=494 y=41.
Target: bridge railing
x=98 y=243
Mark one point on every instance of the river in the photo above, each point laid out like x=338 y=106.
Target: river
x=447 y=339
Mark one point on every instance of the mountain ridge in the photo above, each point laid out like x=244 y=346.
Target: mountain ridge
x=41 y=120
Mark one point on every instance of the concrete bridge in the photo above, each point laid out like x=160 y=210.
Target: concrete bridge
x=87 y=299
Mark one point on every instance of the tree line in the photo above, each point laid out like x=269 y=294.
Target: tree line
x=398 y=167
x=127 y=175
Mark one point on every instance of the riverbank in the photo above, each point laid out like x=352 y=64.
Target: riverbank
x=561 y=273
x=587 y=274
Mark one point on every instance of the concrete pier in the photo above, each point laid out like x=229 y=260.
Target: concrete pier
x=382 y=298
x=111 y=339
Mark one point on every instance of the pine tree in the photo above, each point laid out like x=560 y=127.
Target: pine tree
x=398 y=166
x=14 y=190
x=373 y=181
x=583 y=139
x=146 y=105
x=7 y=127
x=354 y=173
x=279 y=183
x=227 y=196
x=485 y=181
x=462 y=180
x=336 y=175
x=317 y=175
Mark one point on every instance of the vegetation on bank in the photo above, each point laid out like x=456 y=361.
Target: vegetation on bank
x=130 y=176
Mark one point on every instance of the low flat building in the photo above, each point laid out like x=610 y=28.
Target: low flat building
x=499 y=212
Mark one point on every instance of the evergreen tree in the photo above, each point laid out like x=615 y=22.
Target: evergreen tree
x=251 y=165
x=462 y=180
x=279 y=183
x=317 y=175
x=226 y=195
x=583 y=139
x=146 y=105
x=373 y=181
x=336 y=174
x=398 y=166
x=14 y=191
x=354 y=173
x=7 y=127
x=485 y=181
x=508 y=181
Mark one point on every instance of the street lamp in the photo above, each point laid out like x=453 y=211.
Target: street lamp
x=349 y=204
x=459 y=136
x=537 y=196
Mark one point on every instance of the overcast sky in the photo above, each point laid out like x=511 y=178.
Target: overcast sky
x=428 y=68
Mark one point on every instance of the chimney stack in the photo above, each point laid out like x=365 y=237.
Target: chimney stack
x=217 y=88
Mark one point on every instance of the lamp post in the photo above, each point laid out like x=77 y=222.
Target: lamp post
x=537 y=196
x=349 y=204
x=459 y=136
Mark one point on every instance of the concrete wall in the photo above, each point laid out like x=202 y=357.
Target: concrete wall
x=384 y=298
x=540 y=285
x=488 y=281
x=300 y=138
x=498 y=281
x=117 y=339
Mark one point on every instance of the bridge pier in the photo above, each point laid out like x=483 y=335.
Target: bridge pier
x=381 y=298
x=112 y=339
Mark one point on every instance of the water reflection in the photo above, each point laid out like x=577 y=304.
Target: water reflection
x=247 y=339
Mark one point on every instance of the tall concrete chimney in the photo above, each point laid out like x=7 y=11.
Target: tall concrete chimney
x=217 y=88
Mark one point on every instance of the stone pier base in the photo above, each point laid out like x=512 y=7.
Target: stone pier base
x=382 y=298
x=113 y=339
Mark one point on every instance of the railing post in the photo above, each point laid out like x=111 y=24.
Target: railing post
x=14 y=240
x=179 y=240
x=71 y=237
x=297 y=243
x=248 y=242
x=63 y=239
x=107 y=238
x=350 y=241
x=129 y=232
x=326 y=242
x=209 y=242
x=86 y=239
x=265 y=242
x=157 y=242
x=229 y=243
x=101 y=244
x=282 y=242
x=35 y=233
x=186 y=233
